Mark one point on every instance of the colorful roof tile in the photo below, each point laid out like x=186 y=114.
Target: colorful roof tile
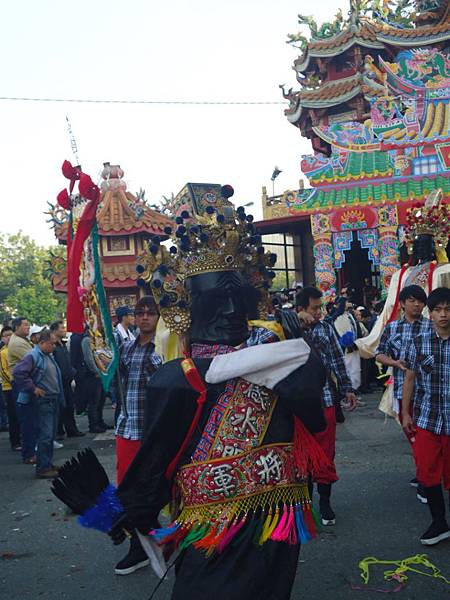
x=412 y=188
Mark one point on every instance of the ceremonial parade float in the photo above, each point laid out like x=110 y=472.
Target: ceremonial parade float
x=125 y=222
x=375 y=103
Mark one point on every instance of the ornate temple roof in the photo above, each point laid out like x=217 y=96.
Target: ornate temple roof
x=330 y=93
x=362 y=35
x=335 y=38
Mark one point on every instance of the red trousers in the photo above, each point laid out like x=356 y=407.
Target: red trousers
x=432 y=455
x=126 y=450
x=327 y=441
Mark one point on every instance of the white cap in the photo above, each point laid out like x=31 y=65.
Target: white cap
x=36 y=329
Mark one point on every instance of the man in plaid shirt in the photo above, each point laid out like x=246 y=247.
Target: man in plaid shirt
x=428 y=368
x=138 y=362
x=323 y=337
x=394 y=341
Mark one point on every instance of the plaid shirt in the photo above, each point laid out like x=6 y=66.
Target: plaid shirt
x=428 y=356
x=325 y=340
x=137 y=365
x=394 y=341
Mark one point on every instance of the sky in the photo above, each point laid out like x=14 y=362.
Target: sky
x=177 y=50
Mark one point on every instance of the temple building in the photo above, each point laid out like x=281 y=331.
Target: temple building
x=125 y=223
x=375 y=104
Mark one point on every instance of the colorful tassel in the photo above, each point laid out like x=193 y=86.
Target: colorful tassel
x=277 y=534
x=316 y=518
x=303 y=534
x=232 y=531
x=269 y=525
x=216 y=541
x=309 y=520
x=309 y=457
x=292 y=528
x=160 y=534
x=286 y=530
x=206 y=541
x=175 y=538
x=194 y=535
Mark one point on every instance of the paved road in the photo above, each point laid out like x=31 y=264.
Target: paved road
x=45 y=555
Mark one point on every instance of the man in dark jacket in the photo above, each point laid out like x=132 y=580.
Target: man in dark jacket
x=66 y=418
x=40 y=388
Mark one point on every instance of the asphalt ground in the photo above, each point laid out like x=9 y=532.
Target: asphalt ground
x=44 y=554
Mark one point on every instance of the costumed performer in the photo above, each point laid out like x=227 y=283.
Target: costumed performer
x=228 y=440
x=427 y=233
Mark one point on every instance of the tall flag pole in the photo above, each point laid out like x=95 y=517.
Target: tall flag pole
x=73 y=142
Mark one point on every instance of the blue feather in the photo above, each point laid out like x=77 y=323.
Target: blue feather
x=103 y=515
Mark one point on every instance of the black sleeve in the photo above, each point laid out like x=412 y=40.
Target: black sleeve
x=301 y=393
x=170 y=408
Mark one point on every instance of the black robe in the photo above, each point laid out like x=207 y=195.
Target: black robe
x=244 y=570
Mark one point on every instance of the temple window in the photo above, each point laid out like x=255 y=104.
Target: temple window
x=426 y=165
x=288 y=266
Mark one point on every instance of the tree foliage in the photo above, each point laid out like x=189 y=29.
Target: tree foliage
x=24 y=288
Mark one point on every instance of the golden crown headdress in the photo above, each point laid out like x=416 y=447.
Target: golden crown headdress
x=431 y=218
x=222 y=239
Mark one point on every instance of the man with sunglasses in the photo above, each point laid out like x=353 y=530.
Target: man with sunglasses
x=138 y=362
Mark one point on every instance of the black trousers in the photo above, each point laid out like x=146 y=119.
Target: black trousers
x=80 y=398
x=245 y=571
x=95 y=399
x=66 y=420
x=14 y=428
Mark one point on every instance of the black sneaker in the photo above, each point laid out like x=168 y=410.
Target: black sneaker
x=435 y=534
x=327 y=514
x=133 y=561
x=414 y=483
x=97 y=429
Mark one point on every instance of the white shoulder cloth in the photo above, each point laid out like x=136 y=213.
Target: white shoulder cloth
x=265 y=365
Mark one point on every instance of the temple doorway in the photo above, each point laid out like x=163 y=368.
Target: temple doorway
x=359 y=273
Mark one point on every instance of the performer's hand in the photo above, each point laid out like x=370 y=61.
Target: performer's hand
x=39 y=392
x=352 y=401
x=121 y=530
x=408 y=425
x=400 y=364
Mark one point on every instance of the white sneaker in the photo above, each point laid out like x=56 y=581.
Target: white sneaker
x=57 y=445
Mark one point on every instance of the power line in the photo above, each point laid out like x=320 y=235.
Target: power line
x=104 y=101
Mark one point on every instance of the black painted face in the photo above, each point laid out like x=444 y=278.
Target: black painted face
x=222 y=303
x=423 y=247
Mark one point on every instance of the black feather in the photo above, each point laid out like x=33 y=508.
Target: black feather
x=80 y=481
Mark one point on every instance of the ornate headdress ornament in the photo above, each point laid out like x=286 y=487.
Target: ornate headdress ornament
x=219 y=240
x=432 y=218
